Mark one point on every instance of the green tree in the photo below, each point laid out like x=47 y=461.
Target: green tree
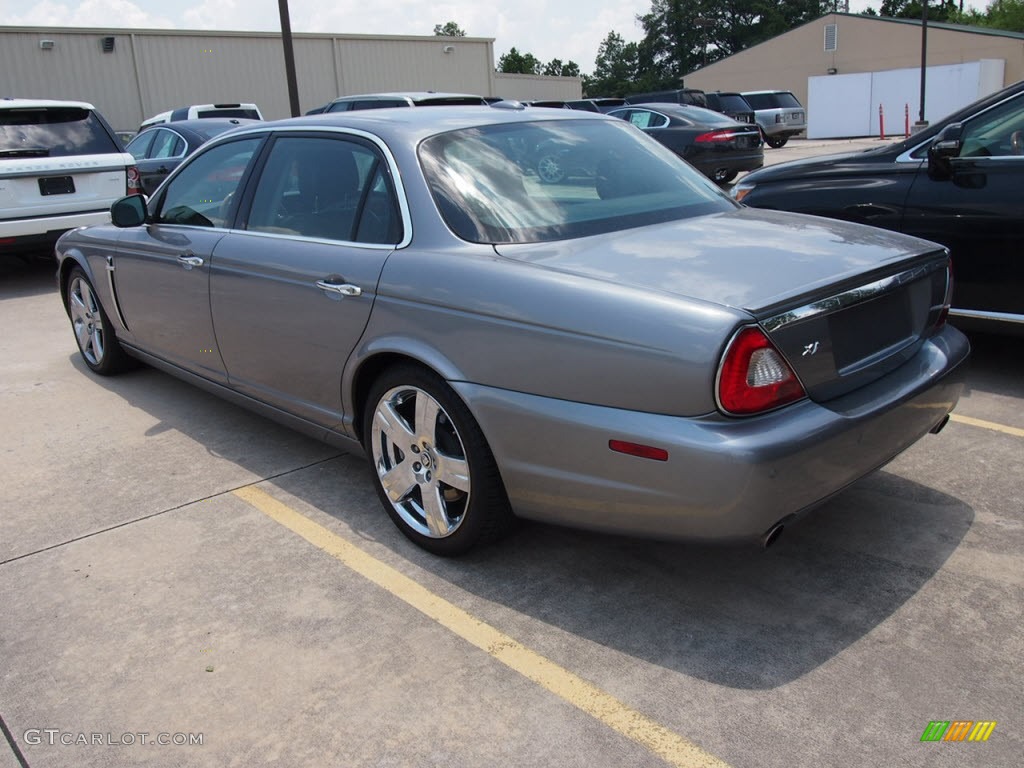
x=449 y=29
x=515 y=62
x=615 y=68
x=681 y=36
x=938 y=10
x=556 y=68
x=1000 y=14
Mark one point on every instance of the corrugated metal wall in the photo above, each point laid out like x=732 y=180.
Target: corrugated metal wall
x=150 y=71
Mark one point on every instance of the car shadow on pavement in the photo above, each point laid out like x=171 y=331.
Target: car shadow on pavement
x=997 y=364
x=24 y=276
x=731 y=615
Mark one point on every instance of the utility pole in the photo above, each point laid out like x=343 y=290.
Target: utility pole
x=289 y=58
x=924 y=56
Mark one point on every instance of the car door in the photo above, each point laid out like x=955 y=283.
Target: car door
x=161 y=269
x=977 y=210
x=292 y=288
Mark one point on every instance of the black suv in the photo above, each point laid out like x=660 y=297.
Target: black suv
x=731 y=104
x=958 y=183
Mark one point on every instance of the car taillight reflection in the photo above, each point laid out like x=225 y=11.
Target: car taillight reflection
x=133 y=185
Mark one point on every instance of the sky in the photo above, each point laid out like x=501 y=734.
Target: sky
x=563 y=29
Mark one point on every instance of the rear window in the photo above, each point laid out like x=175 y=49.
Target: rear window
x=53 y=132
x=483 y=181
x=241 y=112
x=451 y=101
x=778 y=100
x=733 y=103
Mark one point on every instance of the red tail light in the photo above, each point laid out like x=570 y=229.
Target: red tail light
x=715 y=136
x=754 y=376
x=133 y=186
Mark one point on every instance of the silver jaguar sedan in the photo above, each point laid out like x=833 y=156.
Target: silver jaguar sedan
x=628 y=350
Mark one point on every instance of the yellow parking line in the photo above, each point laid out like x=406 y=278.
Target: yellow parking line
x=671 y=747
x=987 y=425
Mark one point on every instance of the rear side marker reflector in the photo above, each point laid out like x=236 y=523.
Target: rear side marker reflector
x=641 y=451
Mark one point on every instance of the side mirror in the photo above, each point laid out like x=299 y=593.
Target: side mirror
x=129 y=211
x=944 y=148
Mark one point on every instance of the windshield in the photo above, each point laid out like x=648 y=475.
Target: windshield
x=52 y=132
x=557 y=180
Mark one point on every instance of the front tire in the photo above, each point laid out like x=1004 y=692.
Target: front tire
x=94 y=332
x=431 y=465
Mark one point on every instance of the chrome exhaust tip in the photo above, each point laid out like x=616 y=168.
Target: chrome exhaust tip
x=941 y=425
x=772 y=535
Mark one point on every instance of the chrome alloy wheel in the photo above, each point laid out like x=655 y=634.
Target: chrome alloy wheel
x=421 y=461
x=87 y=321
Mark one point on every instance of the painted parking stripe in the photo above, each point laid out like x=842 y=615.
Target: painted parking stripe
x=669 y=746
x=987 y=425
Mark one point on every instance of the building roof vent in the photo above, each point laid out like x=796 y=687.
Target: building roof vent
x=831 y=36
x=46 y=45
x=107 y=44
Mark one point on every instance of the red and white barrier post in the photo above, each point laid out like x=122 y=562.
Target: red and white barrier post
x=881 y=123
x=906 y=121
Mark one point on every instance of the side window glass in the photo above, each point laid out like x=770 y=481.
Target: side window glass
x=201 y=195
x=640 y=119
x=138 y=146
x=166 y=144
x=324 y=188
x=998 y=132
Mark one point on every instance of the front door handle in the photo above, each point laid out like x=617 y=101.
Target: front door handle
x=343 y=289
x=190 y=261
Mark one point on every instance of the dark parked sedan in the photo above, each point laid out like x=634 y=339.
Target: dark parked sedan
x=714 y=144
x=958 y=183
x=160 y=149
x=637 y=353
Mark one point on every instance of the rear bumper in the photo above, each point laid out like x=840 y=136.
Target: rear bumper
x=725 y=479
x=21 y=235
x=708 y=164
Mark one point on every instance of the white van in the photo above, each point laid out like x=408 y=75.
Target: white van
x=198 y=111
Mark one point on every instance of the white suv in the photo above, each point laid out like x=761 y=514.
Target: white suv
x=61 y=167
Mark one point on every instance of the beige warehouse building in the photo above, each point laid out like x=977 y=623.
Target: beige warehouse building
x=130 y=75
x=830 y=53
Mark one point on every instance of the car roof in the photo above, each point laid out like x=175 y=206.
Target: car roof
x=414 y=95
x=773 y=90
x=689 y=111
x=414 y=125
x=9 y=103
x=205 y=128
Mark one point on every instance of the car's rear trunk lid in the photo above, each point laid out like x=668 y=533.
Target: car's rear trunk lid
x=844 y=303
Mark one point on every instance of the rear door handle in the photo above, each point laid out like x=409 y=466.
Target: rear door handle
x=343 y=289
x=190 y=261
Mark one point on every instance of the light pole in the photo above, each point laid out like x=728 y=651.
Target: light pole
x=924 y=58
x=289 y=58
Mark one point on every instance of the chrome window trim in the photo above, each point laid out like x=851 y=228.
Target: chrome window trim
x=307 y=239
x=978 y=314
x=850 y=297
x=396 y=176
x=906 y=157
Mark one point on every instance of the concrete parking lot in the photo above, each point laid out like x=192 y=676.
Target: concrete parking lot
x=185 y=584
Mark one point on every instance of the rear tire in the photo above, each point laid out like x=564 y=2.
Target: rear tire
x=431 y=465
x=776 y=142
x=724 y=177
x=97 y=341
